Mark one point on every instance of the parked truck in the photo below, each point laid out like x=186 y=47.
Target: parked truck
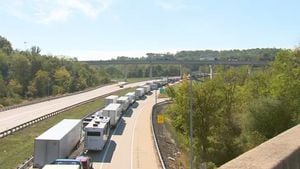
x=124 y=102
x=113 y=111
x=110 y=99
x=57 y=142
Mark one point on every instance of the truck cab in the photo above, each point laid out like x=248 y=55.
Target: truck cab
x=81 y=162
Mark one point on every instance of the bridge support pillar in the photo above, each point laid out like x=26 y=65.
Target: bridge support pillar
x=125 y=72
x=150 y=72
x=180 y=71
x=249 y=67
x=210 y=71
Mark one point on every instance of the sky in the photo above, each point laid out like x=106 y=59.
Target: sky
x=105 y=29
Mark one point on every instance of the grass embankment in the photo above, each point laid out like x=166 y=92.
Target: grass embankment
x=180 y=139
x=15 y=148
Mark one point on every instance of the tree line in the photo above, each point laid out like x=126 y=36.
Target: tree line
x=235 y=111
x=28 y=74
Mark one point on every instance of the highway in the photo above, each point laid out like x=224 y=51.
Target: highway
x=131 y=145
x=17 y=116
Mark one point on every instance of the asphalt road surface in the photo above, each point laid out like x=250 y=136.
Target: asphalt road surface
x=131 y=145
x=17 y=116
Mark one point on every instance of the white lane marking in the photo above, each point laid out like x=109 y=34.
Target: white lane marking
x=132 y=138
x=107 y=148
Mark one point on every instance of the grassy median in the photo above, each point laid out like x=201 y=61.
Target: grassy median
x=15 y=148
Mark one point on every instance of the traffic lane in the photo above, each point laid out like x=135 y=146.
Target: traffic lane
x=119 y=152
x=144 y=151
x=17 y=116
x=122 y=137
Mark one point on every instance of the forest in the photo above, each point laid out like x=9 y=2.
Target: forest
x=28 y=74
x=237 y=110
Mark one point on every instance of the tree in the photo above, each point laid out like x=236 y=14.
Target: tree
x=5 y=45
x=62 y=80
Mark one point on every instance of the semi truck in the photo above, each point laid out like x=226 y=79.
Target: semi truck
x=57 y=142
x=139 y=93
x=124 y=102
x=110 y=99
x=147 y=88
x=131 y=97
x=113 y=111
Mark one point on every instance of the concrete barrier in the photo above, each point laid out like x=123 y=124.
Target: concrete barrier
x=280 y=152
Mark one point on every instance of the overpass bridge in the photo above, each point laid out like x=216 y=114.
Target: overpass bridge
x=181 y=63
x=177 y=62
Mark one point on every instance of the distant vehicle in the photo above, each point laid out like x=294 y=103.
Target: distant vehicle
x=122 y=84
x=208 y=59
x=97 y=133
x=57 y=142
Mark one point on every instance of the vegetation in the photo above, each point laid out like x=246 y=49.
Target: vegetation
x=28 y=74
x=15 y=148
x=236 y=111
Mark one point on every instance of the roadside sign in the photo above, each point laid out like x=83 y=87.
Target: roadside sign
x=161 y=90
x=160 y=119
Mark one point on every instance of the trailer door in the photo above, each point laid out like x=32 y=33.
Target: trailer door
x=52 y=151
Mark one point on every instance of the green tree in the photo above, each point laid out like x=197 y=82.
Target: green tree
x=62 y=80
x=5 y=45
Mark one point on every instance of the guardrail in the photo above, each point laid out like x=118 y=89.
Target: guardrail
x=26 y=164
x=154 y=132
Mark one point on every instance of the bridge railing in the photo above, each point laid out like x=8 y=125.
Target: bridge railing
x=280 y=152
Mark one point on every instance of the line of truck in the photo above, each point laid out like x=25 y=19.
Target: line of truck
x=57 y=143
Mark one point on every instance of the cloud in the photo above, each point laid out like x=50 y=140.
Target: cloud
x=48 y=11
x=170 y=4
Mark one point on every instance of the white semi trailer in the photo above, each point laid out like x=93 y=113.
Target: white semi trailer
x=124 y=101
x=111 y=99
x=113 y=111
x=131 y=97
x=139 y=92
x=57 y=142
x=147 y=88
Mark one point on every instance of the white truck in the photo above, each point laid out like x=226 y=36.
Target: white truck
x=147 y=88
x=131 y=97
x=96 y=133
x=153 y=86
x=124 y=102
x=113 y=111
x=139 y=92
x=57 y=142
x=110 y=99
